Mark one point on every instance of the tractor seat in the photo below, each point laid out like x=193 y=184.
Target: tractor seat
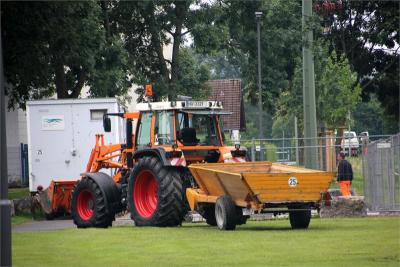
x=188 y=137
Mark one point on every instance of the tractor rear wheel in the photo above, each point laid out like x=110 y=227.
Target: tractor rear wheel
x=225 y=213
x=88 y=207
x=300 y=219
x=155 y=195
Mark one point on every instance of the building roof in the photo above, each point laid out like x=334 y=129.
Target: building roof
x=229 y=92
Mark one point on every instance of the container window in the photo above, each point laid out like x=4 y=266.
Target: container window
x=97 y=114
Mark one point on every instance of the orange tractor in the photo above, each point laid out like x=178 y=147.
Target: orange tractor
x=175 y=159
x=150 y=171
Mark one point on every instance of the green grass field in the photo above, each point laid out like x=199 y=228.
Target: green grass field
x=328 y=242
x=14 y=193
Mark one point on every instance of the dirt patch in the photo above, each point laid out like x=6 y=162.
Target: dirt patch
x=353 y=206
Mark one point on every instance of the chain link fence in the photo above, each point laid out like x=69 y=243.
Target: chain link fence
x=375 y=161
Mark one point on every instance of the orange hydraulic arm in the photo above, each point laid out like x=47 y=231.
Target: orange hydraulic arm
x=110 y=156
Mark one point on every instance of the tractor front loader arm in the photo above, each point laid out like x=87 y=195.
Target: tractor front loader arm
x=102 y=156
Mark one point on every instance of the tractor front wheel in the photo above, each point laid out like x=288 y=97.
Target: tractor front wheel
x=88 y=207
x=155 y=195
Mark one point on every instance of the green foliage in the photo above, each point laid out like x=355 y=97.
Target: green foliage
x=58 y=47
x=191 y=81
x=280 y=45
x=370 y=116
x=252 y=121
x=109 y=78
x=150 y=28
x=339 y=92
x=192 y=77
x=14 y=193
x=367 y=33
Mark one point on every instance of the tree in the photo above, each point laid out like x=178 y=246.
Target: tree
x=280 y=44
x=367 y=33
x=147 y=28
x=192 y=78
x=370 y=116
x=339 y=93
x=58 y=47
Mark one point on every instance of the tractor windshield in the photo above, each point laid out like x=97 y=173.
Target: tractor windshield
x=164 y=128
x=197 y=129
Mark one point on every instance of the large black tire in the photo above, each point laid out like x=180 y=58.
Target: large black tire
x=155 y=194
x=88 y=206
x=300 y=219
x=225 y=213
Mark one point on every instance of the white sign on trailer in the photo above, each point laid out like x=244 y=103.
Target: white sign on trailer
x=53 y=123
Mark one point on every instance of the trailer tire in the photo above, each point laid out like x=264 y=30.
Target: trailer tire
x=155 y=194
x=225 y=213
x=300 y=219
x=88 y=206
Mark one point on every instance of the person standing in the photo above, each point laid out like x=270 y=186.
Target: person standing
x=344 y=174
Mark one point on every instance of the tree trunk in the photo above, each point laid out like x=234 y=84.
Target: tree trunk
x=60 y=80
x=158 y=46
x=180 y=13
x=81 y=78
x=106 y=20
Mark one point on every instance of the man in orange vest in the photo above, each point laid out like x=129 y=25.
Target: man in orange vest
x=344 y=175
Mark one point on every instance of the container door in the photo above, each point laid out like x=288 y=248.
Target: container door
x=50 y=139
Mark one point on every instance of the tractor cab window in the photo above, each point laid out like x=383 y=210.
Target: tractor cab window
x=197 y=129
x=143 y=137
x=164 y=128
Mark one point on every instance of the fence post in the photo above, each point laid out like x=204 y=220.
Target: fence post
x=296 y=136
x=21 y=154
x=253 y=150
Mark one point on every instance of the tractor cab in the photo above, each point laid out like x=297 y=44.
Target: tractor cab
x=191 y=127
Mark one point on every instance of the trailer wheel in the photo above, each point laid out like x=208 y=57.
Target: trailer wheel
x=88 y=207
x=155 y=195
x=300 y=219
x=225 y=213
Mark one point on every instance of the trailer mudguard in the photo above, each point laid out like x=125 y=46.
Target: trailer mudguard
x=108 y=188
x=156 y=152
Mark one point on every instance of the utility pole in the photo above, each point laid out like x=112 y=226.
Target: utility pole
x=296 y=136
x=5 y=204
x=260 y=126
x=310 y=117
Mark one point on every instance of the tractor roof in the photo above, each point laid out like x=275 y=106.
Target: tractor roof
x=180 y=105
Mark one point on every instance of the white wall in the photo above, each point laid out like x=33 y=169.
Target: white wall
x=16 y=133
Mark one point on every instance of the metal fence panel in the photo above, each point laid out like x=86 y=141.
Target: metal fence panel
x=381 y=169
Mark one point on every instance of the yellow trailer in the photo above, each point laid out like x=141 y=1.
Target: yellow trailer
x=228 y=193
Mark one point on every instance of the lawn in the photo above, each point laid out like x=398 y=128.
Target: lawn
x=21 y=218
x=14 y=193
x=328 y=242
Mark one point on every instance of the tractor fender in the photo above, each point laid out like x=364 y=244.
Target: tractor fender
x=108 y=188
x=157 y=152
